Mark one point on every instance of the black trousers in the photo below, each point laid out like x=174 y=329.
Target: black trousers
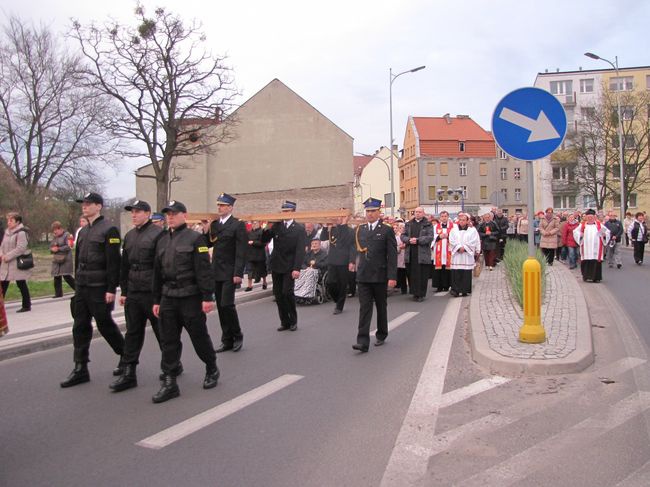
x=401 y=280
x=58 y=284
x=639 y=248
x=419 y=278
x=337 y=283
x=137 y=310
x=179 y=313
x=24 y=292
x=284 y=298
x=549 y=254
x=228 y=318
x=89 y=303
x=370 y=292
x=441 y=278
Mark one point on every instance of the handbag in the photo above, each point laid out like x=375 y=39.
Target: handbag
x=58 y=258
x=477 y=267
x=25 y=262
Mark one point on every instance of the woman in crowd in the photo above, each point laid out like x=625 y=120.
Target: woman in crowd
x=398 y=228
x=14 y=244
x=522 y=227
x=465 y=246
x=549 y=227
x=256 y=257
x=489 y=234
x=61 y=259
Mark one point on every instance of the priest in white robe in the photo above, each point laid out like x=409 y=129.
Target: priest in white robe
x=465 y=245
x=592 y=238
x=441 y=253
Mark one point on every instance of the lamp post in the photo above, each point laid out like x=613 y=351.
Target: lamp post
x=392 y=78
x=619 y=128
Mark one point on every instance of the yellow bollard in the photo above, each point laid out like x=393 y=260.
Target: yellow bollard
x=532 y=330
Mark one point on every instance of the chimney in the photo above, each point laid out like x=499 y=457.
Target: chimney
x=546 y=70
x=394 y=147
x=447 y=118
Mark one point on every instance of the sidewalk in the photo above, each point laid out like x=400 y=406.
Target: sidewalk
x=49 y=323
x=495 y=319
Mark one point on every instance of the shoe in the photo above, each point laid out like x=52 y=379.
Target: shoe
x=282 y=328
x=420 y=299
x=237 y=344
x=379 y=343
x=453 y=293
x=168 y=390
x=464 y=294
x=79 y=375
x=248 y=289
x=264 y=286
x=119 y=370
x=618 y=266
x=176 y=373
x=294 y=327
x=361 y=348
x=4 y=331
x=337 y=311
x=224 y=348
x=211 y=377
x=23 y=310
x=596 y=280
x=57 y=296
x=125 y=381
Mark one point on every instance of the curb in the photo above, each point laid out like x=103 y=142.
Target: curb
x=65 y=335
x=578 y=360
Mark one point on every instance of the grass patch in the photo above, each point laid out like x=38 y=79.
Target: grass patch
x=513 y=259
x=37 y=289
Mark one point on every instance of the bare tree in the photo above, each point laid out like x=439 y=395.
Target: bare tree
x=173 y=93
x=50 y=116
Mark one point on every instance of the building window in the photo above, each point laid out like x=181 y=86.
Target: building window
x=483 y=169
x=517 y=194
x=631 y=200
x=622 y=83
x=517 y=173
x=588 y=113
x=629 y=142
x=627 y=112
x=587 y=85
x=431 y=168
x=401 y=174
x=401 y=196
x=502 y=155
x=432 y=193
x=483 y=192
x=563 y=173
x=462 y=169
x=588 y=201
x=562 y=87
x=504 y=173
x=461 y=146
x=444 y=169
x=564 y=202
x=504 y=194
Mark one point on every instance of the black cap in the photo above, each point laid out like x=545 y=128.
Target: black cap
x=174 y=206
x=91 y=198
x=590 y=211
x=138 y=205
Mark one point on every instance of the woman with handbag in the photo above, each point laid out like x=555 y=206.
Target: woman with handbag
x=61 y=259
x=13 y=251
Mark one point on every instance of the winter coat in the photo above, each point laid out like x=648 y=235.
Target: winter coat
x=567 y=234
x=489 y=240
x=13 y=245
x=548 y=231
x=61 y=268
x=424 y=240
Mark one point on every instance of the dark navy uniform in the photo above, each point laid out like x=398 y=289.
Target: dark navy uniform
x=340 y=255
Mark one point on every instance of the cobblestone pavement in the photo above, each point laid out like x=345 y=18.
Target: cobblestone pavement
x=502 y=317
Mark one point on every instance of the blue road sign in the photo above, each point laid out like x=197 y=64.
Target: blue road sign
x=529 y=123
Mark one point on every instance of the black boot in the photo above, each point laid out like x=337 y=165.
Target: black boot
x=177 y=372
x=79 y=375
x=119 y=370
x=125 y=381
x=211 y=377
x=168 y=390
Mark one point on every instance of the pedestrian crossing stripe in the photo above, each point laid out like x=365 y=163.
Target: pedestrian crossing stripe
x=202 y=249
x=113 y=240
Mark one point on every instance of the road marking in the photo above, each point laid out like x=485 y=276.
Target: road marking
x=400 y=320
x=518 y=411
x=519 y=466
x=638 y=478
x=470 y=390
x=409 y=459
x=206 y=418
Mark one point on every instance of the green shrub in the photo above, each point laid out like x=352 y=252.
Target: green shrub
x=513 y=259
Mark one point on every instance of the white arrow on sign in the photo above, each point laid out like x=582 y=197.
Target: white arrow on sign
x=540 y=129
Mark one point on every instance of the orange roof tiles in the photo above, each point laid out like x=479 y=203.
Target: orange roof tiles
x=439 y=128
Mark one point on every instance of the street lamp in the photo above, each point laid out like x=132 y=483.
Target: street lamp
x=619 y=128
x=392 y=78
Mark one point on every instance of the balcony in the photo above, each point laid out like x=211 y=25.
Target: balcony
x=564 y=186
x=568 y=100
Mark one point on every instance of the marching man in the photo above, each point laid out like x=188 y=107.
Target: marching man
x=441 y=253
x=592 y=237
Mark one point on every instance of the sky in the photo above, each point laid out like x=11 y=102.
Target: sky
x=337 y=54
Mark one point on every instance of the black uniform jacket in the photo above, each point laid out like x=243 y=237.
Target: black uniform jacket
x=341 y=250
x=288 y=246
x=229 y=242
x=377 y=260
x=97 y=255
x=138 y=253
x=182 y=266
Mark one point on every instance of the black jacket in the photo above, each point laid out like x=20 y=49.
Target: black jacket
x=320 y=260
x=341 y=245
x=256 y=252
x=230 y=245
x=288 y=246
x=502 y=225
x=615 y=229
x=377 y=260
x=424 y=236
x=182 y=266
x=138 y=254
x=97 y=255
x=489 y=240
x=635 y=231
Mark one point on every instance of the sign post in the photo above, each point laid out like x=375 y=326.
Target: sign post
x=529 y=124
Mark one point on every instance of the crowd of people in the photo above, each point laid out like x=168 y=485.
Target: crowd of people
x=171 y=274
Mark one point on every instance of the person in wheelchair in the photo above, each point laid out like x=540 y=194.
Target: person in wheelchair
x=316 y=257
x=309 y=287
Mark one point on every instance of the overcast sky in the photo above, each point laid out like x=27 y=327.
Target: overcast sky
x=337 y=54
